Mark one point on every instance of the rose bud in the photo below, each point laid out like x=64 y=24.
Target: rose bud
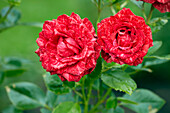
x=124 y=38
x=68 y=47
x=162 y=5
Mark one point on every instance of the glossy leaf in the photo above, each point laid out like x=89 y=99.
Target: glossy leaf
x=156 y=46
x=11 y=109
x=119 y=80
x=54 y=84
x=126 y=101
x=96 y=73
x=69 y=84
x=67 y=107
x=155 y=62
x=147 y=101
x=25 y=95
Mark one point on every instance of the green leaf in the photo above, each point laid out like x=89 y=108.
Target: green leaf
x=155 y=62
x=147 y=101
x=43 y=110
x=69 y=84
x=111 y=102
x=14 y=72
x=51 y=99
x=104 y=110
x=126 y=101
x=26 y=95
x=137 y=3
x=67 y=107
x=11 y=19
x=156 y=46
x=119 y=110
x=11 y=109
x=54 y=84
x=140 y=68
x=33 y=24
x=14 y=2
x=166 y=57
x=119 y=80
x=65 y=98
x=96 y=84
x=96 y=73
x=156 y=24
x=2 y=76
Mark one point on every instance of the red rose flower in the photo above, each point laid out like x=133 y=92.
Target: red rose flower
x=124 y=38
x=162 y=5
x=68 y=47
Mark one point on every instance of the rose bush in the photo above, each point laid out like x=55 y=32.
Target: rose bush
x=124 y=38
x=162 y=5
x=68 y=47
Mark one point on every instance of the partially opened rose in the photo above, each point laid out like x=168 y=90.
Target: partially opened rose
x=68 y=47
x=124 y=38
x=162 y=5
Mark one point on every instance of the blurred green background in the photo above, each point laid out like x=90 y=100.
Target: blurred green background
x=20 y=42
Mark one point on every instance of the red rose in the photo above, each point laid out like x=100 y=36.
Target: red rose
x=68 y=47
x=124 y=38
x=162 y=5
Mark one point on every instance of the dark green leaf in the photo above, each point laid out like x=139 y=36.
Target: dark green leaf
x=25 y=95
x=111 y=102
x=119 y=80
x=155 y=62
x=156 y=24
x=2 y=76
x=43 y=110
x=119 y=110
x=14 y=2
x=147 y=101
x=69 y=84
x=96 y=73
x=14 y=72
x=51 y=99
x=11 y=109
x=137 y=3
x=126 y=101
x=96 y=84
x=156 y=46
x=67 y=107
x=166 y=57
x=54 y=84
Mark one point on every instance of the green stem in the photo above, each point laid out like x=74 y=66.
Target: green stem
x=101 y=101
x=150 y=14
x=84 y=96
x=5 y=16
x=88 y=96
x=47 y=107
x=143 y=10
x=99 y=11
x=78 y=93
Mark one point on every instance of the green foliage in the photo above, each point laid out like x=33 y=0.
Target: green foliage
x=111 y=102
x=25 y=95
x=43 y=110
x=10 y=17
x=14 y=2
x=2 y=76
x=54 y=84
x=156 y=24
x=51 y=99
x=11 y=109
x=147 y=101
x=126 y=101
x=67 y=107
x=119 y=110
x=153 y=49
x=96 y=73
x=137 y=3
x=119 y=80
